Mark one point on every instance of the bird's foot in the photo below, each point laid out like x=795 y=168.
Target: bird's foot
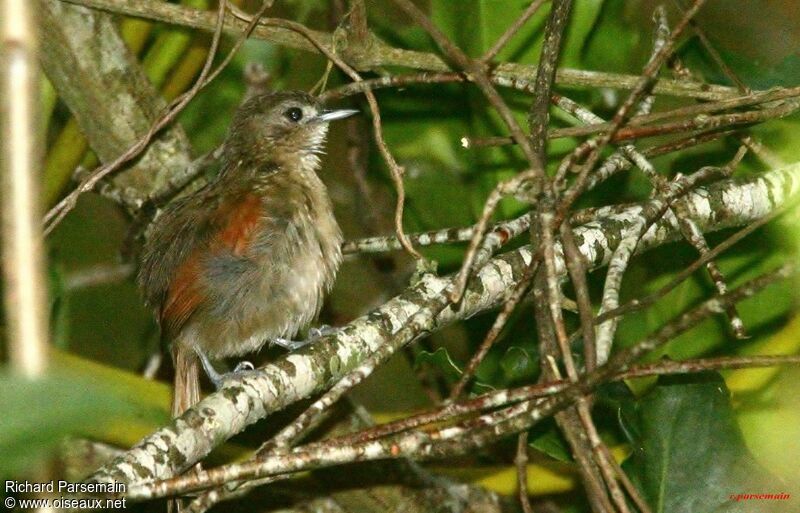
x=313 y=335
x=242 y=369
x=322 y=331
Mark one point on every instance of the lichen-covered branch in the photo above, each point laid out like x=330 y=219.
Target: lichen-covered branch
x=221 y=415
x=103 y=85
x=463 y=437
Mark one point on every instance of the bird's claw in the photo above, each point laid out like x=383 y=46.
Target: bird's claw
x=313 y=335
x=290 y=345
x=243 y=366
x=241 y=370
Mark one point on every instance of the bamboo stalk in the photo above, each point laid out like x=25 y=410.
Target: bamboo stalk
x=23 y=261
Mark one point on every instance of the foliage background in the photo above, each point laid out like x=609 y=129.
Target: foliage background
x=108 y=333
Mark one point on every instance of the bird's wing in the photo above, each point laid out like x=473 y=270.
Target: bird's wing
x=194 y=229
x=232 y=227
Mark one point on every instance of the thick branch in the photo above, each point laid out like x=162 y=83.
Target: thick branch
x=219 y=416
x=113 y=102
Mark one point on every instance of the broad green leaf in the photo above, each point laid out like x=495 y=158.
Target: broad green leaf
x=80 y=398
x=475 y=25
x=691 y=456
x=756 y=74
x=37 y=414
x=169 y=48
x=615 y=404
x=770 y=422
x=303 y=9
x=543 y=478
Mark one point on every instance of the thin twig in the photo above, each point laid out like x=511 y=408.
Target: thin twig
x=278 y=385
x=314 y=414
x=499 y=398
x=645 y=83
x=521 y=462
x=501 y=42
x=382 y=54
x=622 y=114
x=688 y=228
x=497 y=235
x=504 y=397
x=640 y=303
x=628 y=133
x=60 y=210
x=476 y=70
x=539 y=112
x=551 y=332
x=622 y=254
x=603 y=458
x=577 y=273
x=687 y=111
x=712 y=51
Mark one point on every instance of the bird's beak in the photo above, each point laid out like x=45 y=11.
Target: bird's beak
x=332 y=115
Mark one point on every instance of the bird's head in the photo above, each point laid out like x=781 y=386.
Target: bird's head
x=280 y=128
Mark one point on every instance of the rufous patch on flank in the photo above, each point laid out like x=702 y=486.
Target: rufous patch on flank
x=242 y=219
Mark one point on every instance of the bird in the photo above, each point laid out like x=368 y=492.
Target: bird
x=248 y=258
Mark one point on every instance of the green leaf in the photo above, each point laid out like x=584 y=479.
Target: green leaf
x=619 y=42
x=755 y=73
x=690 y=456
x=475 y=26
x=517 y=364
x=616 y=401
x=38 y=414
x=761 y=252
x=441 y=360
x=303 y=9
x=547 y=438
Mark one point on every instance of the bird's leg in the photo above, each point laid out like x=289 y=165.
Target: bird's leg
x=217 y=378
x=211 y=372
x=313 y=335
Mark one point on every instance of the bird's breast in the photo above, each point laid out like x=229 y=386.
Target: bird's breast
x=280 y=255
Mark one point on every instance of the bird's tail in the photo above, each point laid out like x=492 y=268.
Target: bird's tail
x=185 y=394
x=187 y=379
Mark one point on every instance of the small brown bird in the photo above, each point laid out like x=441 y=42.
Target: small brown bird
x=246 y=259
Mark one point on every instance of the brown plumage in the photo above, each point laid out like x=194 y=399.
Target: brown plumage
x=248 y=258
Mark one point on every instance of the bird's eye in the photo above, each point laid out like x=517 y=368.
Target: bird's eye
x=295 y=114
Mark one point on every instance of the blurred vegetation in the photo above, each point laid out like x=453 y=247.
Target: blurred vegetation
x=106 y=336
